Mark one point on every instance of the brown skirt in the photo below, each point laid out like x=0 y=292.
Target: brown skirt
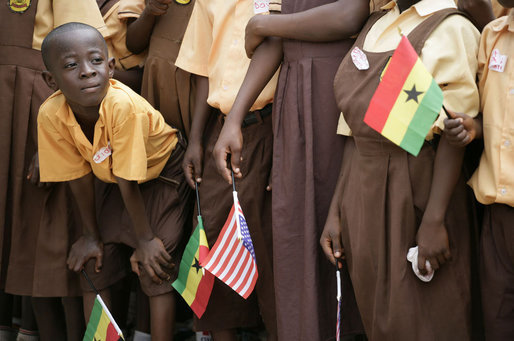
x=226 y=309
x=497 y=272
x=168 y=206
x=37 y=226
x=382 y=204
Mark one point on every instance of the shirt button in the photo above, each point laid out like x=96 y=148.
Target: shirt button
x=235 y=41
x=225 y=87
x=503 y=191
x=506 y=143
x=511 y=91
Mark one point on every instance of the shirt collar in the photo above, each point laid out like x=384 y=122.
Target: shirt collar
x=506 y=22
x=425 y=7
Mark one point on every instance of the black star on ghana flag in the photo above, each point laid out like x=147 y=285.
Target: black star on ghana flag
x=413 y=94
x=196 y=265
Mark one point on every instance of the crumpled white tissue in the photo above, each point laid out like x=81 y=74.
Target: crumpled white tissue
x=412 y=256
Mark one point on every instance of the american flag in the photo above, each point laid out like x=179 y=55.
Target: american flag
x=232 y=258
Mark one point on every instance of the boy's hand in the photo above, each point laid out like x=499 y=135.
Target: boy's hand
x=459 y=129
x=33 y=173
x=331 y=241
x=152 y=256
x=252 y=38
x=230 y=142
x=192 y=163
x=85 y=248
x=157 y=7
x=432 y=239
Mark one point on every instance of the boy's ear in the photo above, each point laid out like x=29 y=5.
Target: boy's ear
x=50 y=80
x=111 y=64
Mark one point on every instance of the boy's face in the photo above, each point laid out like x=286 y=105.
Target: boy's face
x=80 y=68
x=507 y=3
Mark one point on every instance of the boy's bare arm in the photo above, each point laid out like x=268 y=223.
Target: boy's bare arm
x=432 y=236
x=192 y=163
x=88 y=245
x=150 y=251
x=139 y=30
x=480 y=11
x=264 y=64
x=334 y=21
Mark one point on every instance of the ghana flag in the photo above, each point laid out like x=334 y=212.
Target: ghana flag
x=406 y=102
x=101 y=326
x=193 y=282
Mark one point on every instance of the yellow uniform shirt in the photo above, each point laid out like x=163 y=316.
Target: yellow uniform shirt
x=116 y=42
x=493 y=181
x=213 y=46
x=131 y=139
x=53 y=13
x=449 y=54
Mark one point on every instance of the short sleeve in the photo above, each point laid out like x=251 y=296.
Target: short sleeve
x=275 y=6
x=452 y=60
x=194 y=52
x=59 y=159
x=130 y=8
x=129 y=158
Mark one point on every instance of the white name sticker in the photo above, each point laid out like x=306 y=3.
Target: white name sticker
x=102 y=154
x=497 y=61
x=260 y=6
x=359 y=59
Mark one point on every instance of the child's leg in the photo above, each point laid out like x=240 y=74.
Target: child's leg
x=162 y=314
x=50 y=318
x=143 y=311
x=74 y=314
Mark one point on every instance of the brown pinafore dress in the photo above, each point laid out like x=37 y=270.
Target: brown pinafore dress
x=383 y=200
x=36 y=227
x=166 y=87
x=307 y=158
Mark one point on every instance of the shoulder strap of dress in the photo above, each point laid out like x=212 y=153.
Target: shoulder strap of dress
x=106 y=5
x=420 y=34
x=373 y=18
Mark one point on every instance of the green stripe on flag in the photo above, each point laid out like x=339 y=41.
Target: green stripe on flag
x=423 y=119
x=187 y=260
x=94 y=320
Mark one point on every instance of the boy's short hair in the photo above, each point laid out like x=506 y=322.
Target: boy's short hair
x=52 y=38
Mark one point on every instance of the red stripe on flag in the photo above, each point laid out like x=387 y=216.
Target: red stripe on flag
x=382 y=102
x=203 y=293
x=238 y=254
x=111 y=334
x=240 y=261
x=250 y=267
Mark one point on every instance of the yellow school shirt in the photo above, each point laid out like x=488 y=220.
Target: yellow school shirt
x=449 y=54
x=53 y=13
x=213 y=47
x=116 y=23
x=131 y=139
x=493 y=181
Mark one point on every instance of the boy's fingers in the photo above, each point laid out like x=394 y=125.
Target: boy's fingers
x=448 y=255
x=421 y=264
x=220 y=157
x=98 y=263
x=434 y=263
x=188 y=173
x=166 y=256
x=152 y=274
x=235 y=161
x=326 y=245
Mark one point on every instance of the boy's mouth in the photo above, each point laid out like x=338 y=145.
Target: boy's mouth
x=90 y=88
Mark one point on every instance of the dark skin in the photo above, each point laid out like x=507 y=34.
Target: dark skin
x=81 y=70
x=139 y=30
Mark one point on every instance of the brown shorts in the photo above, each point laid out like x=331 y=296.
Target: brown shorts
x=497 y=272
x=226 y=309
x=168 y=206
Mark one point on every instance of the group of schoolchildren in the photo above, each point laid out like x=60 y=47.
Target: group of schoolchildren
x=114 y=111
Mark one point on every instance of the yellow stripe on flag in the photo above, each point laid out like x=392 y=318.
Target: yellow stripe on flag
x=403 y=111
x=193 y=279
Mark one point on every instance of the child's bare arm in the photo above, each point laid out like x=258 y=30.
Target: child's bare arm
x=192 y=163
x=150 y=251
x=432 y=236
x=139 y=30
x=461 y=129
x=88 y=245
x=480 y=11
x=331 y=240
x=264 y=64
x=334 y=21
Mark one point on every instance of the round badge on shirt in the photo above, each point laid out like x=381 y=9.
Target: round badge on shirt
x=19 y=6
x=182 y=2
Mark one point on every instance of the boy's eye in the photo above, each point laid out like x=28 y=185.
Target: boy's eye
x=97 y=60
x=70 y=65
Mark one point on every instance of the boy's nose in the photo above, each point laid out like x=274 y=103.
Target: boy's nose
x=87 y=71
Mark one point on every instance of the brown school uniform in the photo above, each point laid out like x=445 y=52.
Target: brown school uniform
x=306 y=161
x=131 y=141
x=36 y=227
x=166 y=87
x=382 y=203
x=213 y=47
